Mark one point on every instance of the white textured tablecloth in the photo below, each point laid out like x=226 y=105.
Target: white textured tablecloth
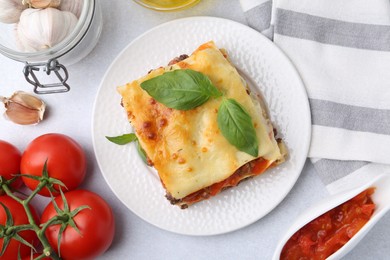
x=71 y=113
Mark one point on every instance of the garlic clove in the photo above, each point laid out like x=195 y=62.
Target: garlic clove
x=20 y=39
x=10 y=10
x=21 y=115
x=23 y=108
x=42 y=3
x=39 y=29
x=73 y=6
x=27 y=100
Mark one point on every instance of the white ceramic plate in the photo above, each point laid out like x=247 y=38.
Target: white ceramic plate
x=138 y=186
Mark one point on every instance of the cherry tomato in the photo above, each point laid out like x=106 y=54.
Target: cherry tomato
x=65 y=158
x=34 y=256
x=10 y=163
x=19 y=217
x=96 y=225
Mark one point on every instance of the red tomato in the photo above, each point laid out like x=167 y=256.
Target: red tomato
x=34 y=256
x=96 y=225
x=19 y=217
x=10 y=163
x=66 y=161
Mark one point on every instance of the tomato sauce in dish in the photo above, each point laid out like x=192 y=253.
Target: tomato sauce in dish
x=324 y=235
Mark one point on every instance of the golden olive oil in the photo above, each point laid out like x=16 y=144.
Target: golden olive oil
x=168 y=4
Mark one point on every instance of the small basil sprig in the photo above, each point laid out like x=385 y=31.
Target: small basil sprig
x=181 y=89
x=128 y=138
x=142 y=154
x=122 y=139
x=236 y=126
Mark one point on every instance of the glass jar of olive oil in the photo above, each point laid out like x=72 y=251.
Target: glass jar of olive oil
x=167 y=5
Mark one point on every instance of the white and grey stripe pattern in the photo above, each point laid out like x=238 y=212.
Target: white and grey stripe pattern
x=258 y=15
x=332 y=31
x=263 y=10
x=333 y=170
x=342 y=51
x=349 y=117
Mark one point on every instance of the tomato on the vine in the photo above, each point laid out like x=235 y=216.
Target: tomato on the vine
x=19 y=217
x=66 y=161
x=34 y=256
x=10 y=163
x=96 y=225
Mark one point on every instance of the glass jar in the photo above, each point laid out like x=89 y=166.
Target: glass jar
x=78 y=44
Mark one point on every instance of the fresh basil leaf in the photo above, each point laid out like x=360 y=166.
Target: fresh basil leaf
x=181 y=89
x=122 y=139
x=128 y=138
x=142 y=154
x=237 y=127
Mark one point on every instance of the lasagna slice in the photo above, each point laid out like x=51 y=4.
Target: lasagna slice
x=193 y=159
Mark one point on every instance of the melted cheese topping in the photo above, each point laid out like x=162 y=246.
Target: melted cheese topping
x=186 y=147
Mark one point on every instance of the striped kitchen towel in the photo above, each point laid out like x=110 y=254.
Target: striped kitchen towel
x=342 y=52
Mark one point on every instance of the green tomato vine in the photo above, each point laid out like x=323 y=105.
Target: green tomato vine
x=64 y=217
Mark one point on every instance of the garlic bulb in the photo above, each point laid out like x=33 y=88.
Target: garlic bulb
x=42 y=3
x=74 y=6
x=23 y=108
x=10 y=10
x=39 y=29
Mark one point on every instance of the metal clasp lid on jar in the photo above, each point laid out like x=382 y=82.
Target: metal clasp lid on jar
x=49 y=67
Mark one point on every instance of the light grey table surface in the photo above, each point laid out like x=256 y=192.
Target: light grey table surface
x=71 y=114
